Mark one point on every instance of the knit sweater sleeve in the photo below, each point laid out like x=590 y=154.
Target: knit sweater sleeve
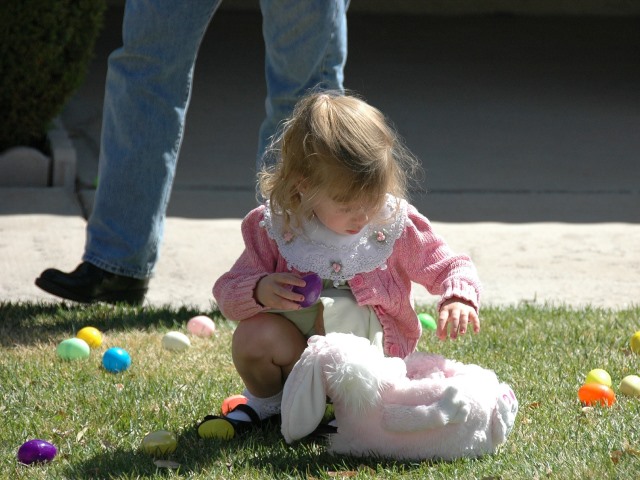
x=431 y=262
x=234 y=290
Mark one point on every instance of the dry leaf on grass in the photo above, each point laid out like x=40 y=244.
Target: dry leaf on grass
x=166 y=464
x=344 y=474
x=627 y=449
x=81 y=433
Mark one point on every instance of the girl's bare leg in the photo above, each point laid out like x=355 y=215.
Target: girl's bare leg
x=265 y=348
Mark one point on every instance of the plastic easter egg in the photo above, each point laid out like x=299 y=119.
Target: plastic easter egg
x=201 y=326
x=598 y=375
x=594 y=393
x=311 y=290
x=36 y=450
x=634 y=343
x=159 y=443
x=91 y=335
x=232 y=402
x=73 y=349
x=427 y=321
x=329 y=413
x=176 y=341
x=116 y=360
x=630 y=385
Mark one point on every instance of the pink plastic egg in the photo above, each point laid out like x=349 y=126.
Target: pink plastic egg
x=36 y=450
x=311 y=290
x=201 y=326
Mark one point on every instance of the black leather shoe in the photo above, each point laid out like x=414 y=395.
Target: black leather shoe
x=89 y=284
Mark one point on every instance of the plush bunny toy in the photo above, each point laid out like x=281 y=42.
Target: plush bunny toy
x=422 y=407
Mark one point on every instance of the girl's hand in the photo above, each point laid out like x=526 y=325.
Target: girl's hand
x=274 y=291
x=456 y=314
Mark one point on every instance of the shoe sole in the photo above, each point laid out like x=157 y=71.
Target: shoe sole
x=130 y=297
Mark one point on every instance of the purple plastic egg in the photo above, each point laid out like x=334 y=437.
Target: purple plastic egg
x=36 y=450
x=311 y=290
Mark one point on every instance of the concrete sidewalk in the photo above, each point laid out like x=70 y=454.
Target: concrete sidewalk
x=527 y=127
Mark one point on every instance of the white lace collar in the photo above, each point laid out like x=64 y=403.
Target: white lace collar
x=315 y=248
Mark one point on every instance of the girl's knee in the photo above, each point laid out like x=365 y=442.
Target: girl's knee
x=265 y=334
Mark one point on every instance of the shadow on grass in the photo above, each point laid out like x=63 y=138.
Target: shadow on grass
x=192 y=455
x=308 y=459
x=264 y=451
x=31 y=323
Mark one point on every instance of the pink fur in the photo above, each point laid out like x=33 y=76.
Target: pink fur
x=425 y=407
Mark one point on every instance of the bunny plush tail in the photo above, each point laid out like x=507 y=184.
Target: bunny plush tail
x=504 y=415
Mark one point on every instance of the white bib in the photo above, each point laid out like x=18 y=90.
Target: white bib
x=315 y=248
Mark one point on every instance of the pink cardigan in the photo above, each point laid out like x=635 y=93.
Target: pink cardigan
x=419 y=255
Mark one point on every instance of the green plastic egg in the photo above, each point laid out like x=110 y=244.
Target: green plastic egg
x=427 y=321
x=73 y=349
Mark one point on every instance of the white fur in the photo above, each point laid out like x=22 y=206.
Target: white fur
x=422 y=407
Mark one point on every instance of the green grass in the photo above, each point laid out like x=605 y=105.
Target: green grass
x=97 y=419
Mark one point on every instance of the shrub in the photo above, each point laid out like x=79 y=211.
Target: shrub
x=45 y=48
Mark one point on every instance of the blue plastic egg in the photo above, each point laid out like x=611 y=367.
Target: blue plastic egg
x=116 y=360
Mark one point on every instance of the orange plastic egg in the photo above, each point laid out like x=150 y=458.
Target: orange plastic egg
x=594 y=393
x=232 y=402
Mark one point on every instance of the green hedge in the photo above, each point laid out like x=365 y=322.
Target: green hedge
x=45 y=48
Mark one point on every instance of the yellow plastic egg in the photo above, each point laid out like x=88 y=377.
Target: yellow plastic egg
x=91 y=335
x=159 y=443
x=630 y=385
x=598 y=375
x=634 y=343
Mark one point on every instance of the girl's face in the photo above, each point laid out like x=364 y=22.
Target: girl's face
x=342 y=218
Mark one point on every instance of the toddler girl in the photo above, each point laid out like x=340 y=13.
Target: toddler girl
x=335 y=206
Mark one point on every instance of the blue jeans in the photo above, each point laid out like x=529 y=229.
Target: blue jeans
x=148 y=89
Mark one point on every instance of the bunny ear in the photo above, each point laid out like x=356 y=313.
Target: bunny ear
x=504 y=415
x=304 y=398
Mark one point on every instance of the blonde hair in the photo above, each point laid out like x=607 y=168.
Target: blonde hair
x=338 y=145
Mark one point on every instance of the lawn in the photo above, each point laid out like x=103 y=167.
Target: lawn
x=98 y=419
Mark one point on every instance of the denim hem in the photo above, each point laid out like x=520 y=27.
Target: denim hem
x=92 y=259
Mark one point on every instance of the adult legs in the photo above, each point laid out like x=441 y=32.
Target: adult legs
x=147 y=94
x=149 y=84
x=305 y=48
x=148 y=90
